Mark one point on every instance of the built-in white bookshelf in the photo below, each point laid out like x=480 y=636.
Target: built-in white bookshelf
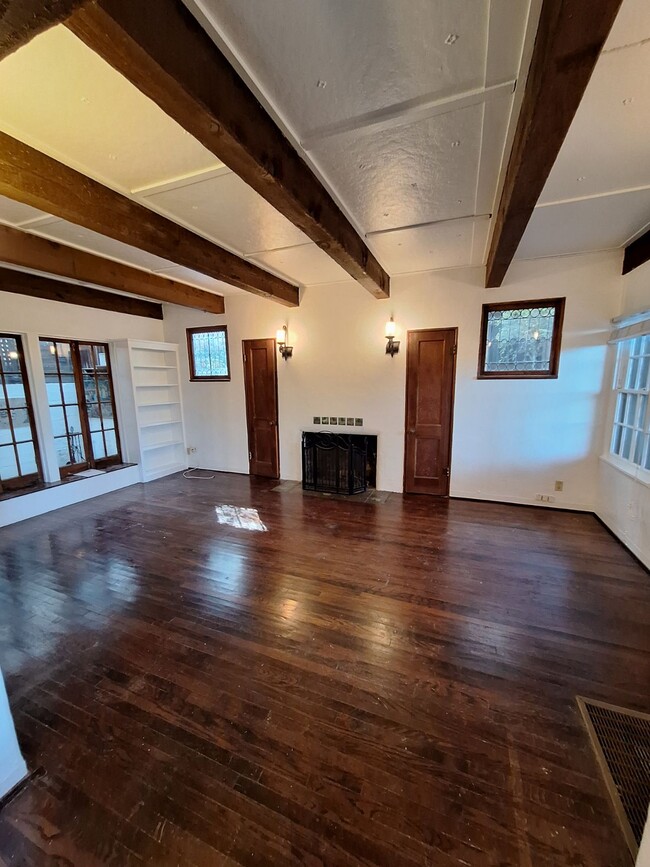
x=150 y=405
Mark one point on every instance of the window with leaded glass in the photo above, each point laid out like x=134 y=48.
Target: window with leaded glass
x=521 y=339
x=631 y=428
x=19 y=458
x=208 y=354
x=82 y=404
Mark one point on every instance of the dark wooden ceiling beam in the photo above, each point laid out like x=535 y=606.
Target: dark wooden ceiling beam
x=31 y=177
x=160 y=47
x=570 y=37
x=636 y=253
x=22 y=20
x=39 y=254
x=38 y=286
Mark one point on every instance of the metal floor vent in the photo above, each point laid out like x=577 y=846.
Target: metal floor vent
x=621 y=741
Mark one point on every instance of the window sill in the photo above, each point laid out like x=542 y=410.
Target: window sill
x=45 y=486
x=636 y=473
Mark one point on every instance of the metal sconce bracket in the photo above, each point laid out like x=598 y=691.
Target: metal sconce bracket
x=284 y=350
x=392 y=346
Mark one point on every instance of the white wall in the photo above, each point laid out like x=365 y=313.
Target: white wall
x=512 y=439
x=34 y=318
x=12 y=765
x=624 y=502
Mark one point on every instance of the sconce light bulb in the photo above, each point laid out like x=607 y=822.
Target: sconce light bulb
x=390 y=328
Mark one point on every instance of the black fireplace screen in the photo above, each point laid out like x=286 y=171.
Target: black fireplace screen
x=334 y=463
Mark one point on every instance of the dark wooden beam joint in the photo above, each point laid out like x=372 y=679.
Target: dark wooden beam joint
x=570 y=37
x=37 y=286
x=161 y=49
x=636 y=253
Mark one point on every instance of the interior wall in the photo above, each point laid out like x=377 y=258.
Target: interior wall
x=12 y=768
x=34 y=318
x=512 y=439
x=624 y=501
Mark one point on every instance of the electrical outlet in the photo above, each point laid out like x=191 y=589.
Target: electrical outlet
x=341 y=419
x=333 y=419
x=358 y=422
x=191 y=450
x=539 y=498
x=316 y=419
x=559 y=485
x=350 y=422
x=324 y=419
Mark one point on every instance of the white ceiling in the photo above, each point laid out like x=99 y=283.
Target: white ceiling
x=403 y=116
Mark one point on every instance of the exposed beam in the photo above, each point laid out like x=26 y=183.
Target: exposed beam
x=29 y=176
x=161 y=48
x=570 y=36
x=21 y=20
x=38 y=254
x=37 y=286
x=636 y=253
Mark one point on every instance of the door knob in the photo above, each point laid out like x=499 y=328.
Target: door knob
x=412 y=430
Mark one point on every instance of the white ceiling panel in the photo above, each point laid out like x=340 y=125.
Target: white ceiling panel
x=598 y=223
x=322 y=62
x=15 y=213
x=606 y=148
x=77 y=236
x=227 y=210
x=632 y=24
x=59 y=96
x=307 y=264
x=414 y=174
x=442 y=245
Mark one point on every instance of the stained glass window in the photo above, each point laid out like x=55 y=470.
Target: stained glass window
x=521 y=339
x=208 y=353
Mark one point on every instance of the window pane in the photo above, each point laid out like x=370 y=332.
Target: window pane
x=8 y=465
x=621 y=400
x=22 y=425
x=98 y=445
x=616 y=440
x=111 y=443
x=107 y=414
x=626 y=443
x=520 y=339
x=210 y=353
x=77 y=447
x=5 y=430
x=27 y=458
x=630 y=409
x=62 y=451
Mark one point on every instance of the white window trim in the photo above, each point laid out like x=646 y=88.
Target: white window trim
x=627 y=468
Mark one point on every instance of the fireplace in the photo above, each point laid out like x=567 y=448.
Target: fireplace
x=338 y=463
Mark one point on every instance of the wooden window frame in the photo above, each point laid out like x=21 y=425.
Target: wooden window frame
x=190 y=353
x=20 y=482
x=556 y=340
x=77 y=370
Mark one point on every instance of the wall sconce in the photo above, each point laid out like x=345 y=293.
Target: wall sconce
x=281 y=339
x=392 y=345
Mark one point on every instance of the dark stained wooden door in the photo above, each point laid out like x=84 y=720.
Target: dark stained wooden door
x=261 y=385
x=430 y=376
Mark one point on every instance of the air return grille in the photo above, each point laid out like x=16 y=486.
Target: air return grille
x=621 y=740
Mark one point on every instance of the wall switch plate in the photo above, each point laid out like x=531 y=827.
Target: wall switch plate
x=358 y=422
x=341 y=419
x=316 y=419
x=350 y=422
x=333 y=419
x=324 y=419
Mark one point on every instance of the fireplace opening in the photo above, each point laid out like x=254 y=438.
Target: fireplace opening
x=338 y=463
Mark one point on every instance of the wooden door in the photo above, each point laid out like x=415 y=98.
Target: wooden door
x=261 y=385
x=430 y=376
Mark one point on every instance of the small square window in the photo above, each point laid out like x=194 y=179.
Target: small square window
x=208 y=353
x=521 y=339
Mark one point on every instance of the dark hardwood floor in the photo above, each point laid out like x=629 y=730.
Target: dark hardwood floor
x=360 y=684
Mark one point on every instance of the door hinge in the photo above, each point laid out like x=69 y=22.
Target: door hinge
x=447 y=471
x=454 y=349
x=244 y=358
x=250 y=456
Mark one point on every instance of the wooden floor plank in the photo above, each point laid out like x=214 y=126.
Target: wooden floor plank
x=361 y=684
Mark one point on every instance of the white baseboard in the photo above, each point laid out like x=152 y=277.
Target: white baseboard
x=623 y=538
x=522 y=501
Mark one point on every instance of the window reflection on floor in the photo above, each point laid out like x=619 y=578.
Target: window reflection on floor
x=238 y=516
